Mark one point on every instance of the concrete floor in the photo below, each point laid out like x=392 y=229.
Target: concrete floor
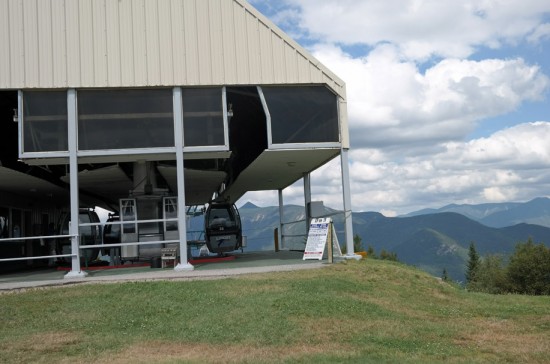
x=244 y=263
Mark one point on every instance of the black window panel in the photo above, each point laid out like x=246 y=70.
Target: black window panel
x=125 y=119
x=302 y=114
x=45 y=121
x=202 y=117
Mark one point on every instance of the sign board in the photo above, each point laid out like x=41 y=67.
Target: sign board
x=317 y=238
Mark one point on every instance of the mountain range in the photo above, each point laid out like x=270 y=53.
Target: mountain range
x=431 y=239
x=497 y=215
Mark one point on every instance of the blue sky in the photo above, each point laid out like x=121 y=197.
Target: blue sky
x=448 y=101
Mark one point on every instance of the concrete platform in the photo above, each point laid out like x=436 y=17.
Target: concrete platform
x=244 y=263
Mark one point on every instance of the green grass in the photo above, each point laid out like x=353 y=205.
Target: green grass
x=367 y=311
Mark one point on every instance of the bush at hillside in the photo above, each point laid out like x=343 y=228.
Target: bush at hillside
x=528 y=271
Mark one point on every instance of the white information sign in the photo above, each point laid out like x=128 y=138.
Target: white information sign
x=317 y=238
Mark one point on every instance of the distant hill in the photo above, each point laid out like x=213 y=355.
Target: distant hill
x=536 y=212
x=440 y=241
x=248 y=205
x=432 y=242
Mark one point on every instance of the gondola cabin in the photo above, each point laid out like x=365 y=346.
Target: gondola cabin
x=222 y=227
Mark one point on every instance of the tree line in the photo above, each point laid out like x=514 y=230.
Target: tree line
x=526 y=271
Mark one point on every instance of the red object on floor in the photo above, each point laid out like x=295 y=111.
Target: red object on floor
x=199 y=260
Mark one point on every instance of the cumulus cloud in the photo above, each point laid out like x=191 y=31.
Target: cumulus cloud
x=509 y=165
x=391 y=103
x=421 y=29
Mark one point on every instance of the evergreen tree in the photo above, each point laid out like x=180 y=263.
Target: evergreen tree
x=357 y=243
x=445 y=276
x=370 y=252
x=473 y=264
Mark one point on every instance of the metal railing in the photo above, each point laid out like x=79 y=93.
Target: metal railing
x=297 y=239
x=26 y=238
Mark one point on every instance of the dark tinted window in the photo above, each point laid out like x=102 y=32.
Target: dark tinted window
x=125 y=119
x=202 y=117
x=221 y=217
x=44 y=121
x=303 y=114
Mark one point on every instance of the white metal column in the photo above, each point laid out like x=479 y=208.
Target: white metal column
x=281 y=212
x=183 y=265
x=347 y=204
x=307 y=199
x=72 y=134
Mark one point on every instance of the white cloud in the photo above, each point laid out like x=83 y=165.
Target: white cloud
x=421 y=29
x=525 y=146
x=540 y=33
x=392 y=104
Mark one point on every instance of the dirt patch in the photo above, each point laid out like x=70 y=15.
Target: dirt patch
x=161 y=352
x=506 y=338
x=39 y=348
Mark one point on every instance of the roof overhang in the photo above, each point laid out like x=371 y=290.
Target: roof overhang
x=278 y=169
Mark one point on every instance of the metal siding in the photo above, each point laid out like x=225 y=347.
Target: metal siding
x=278 y=44
x=178 y=43
x=204 y=55
x=191 y=40
x=216 y=42
x=291 y=65
x=100 y=42
x=73 y=43
x=266 y=53
x=303 y=69
x=112 y=27
x=254 y=63
x=126 y=42
x=30 y=28
x=86 y=43
x=241 y=45
x=45 y=47
x=152 y=41
x=108 y=43
x=140 y=46
x=228 y=40
x=316 y=74
x=5 y=68
x=59 y=45
x=166 y=45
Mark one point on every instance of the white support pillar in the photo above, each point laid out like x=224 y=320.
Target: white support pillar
x=281 y=212
x=348 y=223
x=183 y=265
x=307 y=198
x=72 y=135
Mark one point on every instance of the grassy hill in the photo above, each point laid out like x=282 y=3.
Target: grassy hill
x=354 y=312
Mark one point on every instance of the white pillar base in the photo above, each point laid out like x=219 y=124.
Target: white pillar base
x=73 y=274
x=184 y=267
x=353 y=256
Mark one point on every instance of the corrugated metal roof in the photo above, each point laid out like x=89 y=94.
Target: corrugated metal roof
x=135 y=43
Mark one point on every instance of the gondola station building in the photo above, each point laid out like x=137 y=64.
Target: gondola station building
x=147 y=108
